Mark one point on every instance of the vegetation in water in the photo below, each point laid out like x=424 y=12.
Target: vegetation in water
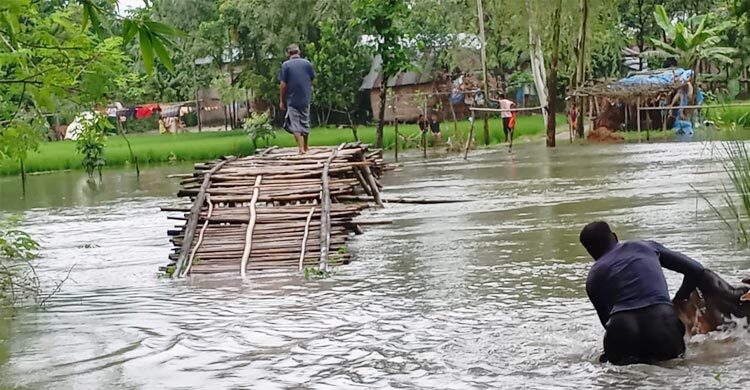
x=314 y=273
x=18 y=279
x=90 y=143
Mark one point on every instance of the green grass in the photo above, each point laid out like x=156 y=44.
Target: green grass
x=154 y=148
x=734 y=114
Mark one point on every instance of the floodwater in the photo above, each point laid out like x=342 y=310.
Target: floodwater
x=485 y=294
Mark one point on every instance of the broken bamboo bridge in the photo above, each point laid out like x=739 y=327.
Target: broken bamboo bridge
x=274 y=210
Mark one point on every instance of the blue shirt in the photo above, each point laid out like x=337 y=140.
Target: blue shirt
x=298 y=75
x=629 y=277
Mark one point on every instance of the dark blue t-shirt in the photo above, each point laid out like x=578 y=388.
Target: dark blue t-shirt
x=298 y=75
x=630 y=277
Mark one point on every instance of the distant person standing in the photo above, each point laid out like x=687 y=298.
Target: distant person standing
x=435 y=127
x=295 y=92
x=507 y=115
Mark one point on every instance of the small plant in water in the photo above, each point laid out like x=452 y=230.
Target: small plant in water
x=169 y=271
x=734 y=207
x=91 y=142
x=312 y=273
x=343 y=250
x=18 y=278
x=88 y=246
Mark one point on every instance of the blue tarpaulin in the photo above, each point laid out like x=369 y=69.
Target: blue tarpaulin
x=662 y=78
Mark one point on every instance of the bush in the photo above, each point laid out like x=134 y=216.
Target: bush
x=91 y=142
x=141 y=125
x=18 y=278
x=258 y=126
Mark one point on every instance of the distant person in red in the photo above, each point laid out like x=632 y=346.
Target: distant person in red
x=295 y=93
x=573 y=120
x=506 y=105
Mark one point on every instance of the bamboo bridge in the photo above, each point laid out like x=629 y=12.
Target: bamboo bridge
x=274 y=210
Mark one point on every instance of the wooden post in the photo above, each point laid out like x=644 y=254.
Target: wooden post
x=250 y=226
x=325 y=214
x=197 y=98
x=395 y=130
x=200 y=236
x=468 y=140
x=638 y=116
x=483 y=53
x=304 y=238
x=192 y=222
x=361 y=180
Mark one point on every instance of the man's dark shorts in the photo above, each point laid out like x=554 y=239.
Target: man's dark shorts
x=648 y=335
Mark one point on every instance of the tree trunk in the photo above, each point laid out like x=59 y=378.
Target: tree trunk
x=552 y=102
x=23 y=178
x=641 y=39
x=537 y=61
x=480 y=15
x=581 y=62
x=381 y=114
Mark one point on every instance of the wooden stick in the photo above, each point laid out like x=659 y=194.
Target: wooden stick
x=373 y=186
x=325 y=215
x=468 y=140
x=200 y=237
x=361 y=179
x=250 y=227
x=192 y=222
x=304 y=237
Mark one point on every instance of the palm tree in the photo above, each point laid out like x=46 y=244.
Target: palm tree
x=688 y=48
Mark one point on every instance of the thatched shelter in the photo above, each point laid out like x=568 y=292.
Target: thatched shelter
x=614 y=104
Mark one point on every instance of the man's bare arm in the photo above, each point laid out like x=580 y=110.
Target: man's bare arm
x=282 y=96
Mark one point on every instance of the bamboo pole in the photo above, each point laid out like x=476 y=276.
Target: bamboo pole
x=468 y=140
x=638 y=117
x=250 y=227
x=325 y=215
x=200 y=237
x=305 y=236
x=483 y=55
x=396 y=132
x=192 y=222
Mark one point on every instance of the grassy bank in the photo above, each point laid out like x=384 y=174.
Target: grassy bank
x=153 y=148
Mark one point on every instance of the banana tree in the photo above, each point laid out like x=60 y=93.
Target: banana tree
x=687 y=47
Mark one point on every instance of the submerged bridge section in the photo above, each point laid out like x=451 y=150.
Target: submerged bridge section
x=274 y=210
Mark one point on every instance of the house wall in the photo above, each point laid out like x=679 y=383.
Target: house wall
x=407 y=104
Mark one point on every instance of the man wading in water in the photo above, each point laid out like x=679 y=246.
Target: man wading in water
x=627 y=287
x=295 y=91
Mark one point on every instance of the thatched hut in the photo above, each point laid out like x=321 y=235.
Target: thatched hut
x=614 y=104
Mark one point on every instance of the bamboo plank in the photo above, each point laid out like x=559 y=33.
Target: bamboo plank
x=250 y=227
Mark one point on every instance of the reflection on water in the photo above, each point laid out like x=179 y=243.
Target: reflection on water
x=486 y=294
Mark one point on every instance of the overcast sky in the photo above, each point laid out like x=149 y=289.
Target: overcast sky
x=128 y=4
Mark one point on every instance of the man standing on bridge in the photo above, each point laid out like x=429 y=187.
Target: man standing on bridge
x=295 y=93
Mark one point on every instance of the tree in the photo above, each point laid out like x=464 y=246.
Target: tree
x=382 y=20
x=552 y=86
x=580 y=51
x=341 y=61
x=61 y=53
x=687 y=46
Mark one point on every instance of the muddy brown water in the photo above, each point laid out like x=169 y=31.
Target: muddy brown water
x=486 y=294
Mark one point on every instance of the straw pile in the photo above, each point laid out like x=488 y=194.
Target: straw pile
x=274 y=210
